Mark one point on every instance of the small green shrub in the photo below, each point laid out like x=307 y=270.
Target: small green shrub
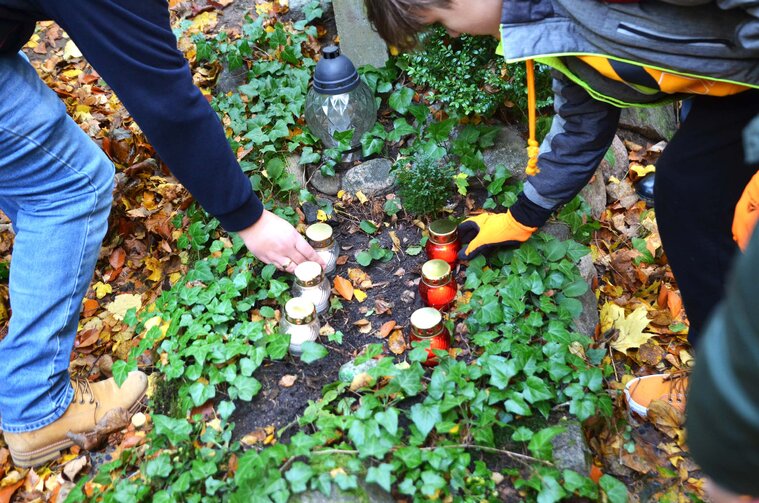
x=425 y=185
x=469 y=77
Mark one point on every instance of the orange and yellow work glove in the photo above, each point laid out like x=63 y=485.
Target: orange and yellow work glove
x=746 y=213
x=489 y=231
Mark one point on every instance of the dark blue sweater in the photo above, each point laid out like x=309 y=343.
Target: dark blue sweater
x=131 y=45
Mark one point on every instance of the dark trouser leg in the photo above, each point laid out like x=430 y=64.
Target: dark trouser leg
x=699 y=179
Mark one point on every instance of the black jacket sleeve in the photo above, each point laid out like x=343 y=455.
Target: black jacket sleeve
x=131 y=45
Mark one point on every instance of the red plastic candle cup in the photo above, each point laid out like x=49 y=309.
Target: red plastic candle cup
x=427 y=324
x=437 y=287
x=443 y=242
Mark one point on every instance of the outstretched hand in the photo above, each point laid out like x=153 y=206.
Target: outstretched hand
x=489 y=231
x=274 y=241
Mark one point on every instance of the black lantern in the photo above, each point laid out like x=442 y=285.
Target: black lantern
x=339 y=100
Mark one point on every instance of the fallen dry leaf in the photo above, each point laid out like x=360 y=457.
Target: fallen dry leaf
x=386 y=329
x=122 y=303
x=630 y=328
x=6 y=493
x=362 y=380
x=396 y=342
x=287 y=381
x=650 y=354
x=343 y=287
x=359 y=294
x=72 y=468
x=113 y=420
x=364 y=325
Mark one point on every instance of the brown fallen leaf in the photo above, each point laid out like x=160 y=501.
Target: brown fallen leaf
x=364 y=325
x=113 y=420
x=650 y=354
x=397 y=342
x=359 y=278
x=342 y=260
x=73 y=467
x=287 y=381
x=6 y=493
x=382 y=306
x=667 y=419
x=386 y=329
x=362 y=380
x=343 y=287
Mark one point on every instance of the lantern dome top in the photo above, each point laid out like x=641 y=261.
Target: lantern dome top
x=335 y=73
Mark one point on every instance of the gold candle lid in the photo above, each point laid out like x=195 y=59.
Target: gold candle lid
x=443 y=231
x=436 y=272
x=320 y=235
x=300 y=311
x=309 y=274
x=427 y=322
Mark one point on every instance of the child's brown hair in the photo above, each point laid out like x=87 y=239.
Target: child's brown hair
x=399 y=21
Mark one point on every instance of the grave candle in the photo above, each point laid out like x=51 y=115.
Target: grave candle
x=437 y=287
x=321 y=237
x=427 y=324
x=443 y=242
x=310 y=283
x=300 y=321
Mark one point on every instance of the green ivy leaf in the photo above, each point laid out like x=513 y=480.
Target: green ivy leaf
x=401 y=99
x=368 y=227
x=381 y=475
x=540 y=445
x=312 y=351
x=121 y=370
x=614 y=489
x=425 y=417
x=175 y=430
x=298 y=476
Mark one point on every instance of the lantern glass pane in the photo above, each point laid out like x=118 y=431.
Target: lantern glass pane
x=330 y=114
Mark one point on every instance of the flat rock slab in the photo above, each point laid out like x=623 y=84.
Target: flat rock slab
x=365 y=493
x=570 y=450
x=372 y=177
x=358 y=40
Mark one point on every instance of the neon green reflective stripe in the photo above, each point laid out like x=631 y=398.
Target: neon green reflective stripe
x=556 y=63
x=636 y=63
x=499 y=50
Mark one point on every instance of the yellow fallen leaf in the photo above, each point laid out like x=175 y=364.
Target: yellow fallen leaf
x=641 y=170
x=396 y=241
x=70 y=74
x=123 y=303
x=71 y=51
x=155 y=267
x=359 y=294
x=340 y=194
x=361 y=197
x=630 y=328
x=321 y=216
x=204 y=21
x=613 y=179
x=102 y=289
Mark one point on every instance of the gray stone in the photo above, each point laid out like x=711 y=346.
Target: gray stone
x=296 y=169
x=372 y=177
x=655 y=123
x=587 y=269
x=509 y=150
x=297 y=6
x=620 y=163
x=559 y=230
x=594 y=194
x=358 y=40
x=327 y=185
x=588 y=319
x=349 y=370
x=229 y=80
x=311 y=211
x=365 y=493
x=570 y=450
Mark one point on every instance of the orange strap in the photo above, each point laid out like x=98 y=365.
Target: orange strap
x=533 y=148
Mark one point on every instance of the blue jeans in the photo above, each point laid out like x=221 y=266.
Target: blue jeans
x=56 y=187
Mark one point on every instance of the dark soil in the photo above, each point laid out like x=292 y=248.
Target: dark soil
x=279 y=406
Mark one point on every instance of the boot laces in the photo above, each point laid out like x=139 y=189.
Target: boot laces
x=678 y=381
x=82 y=390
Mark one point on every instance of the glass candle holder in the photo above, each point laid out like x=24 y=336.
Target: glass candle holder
x=310 y=283
x=443 y=242
x=321 y=237
x=427 y=324
x=300 y=322
x=437 y=287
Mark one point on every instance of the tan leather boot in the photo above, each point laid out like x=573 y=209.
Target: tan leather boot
x=91 y=402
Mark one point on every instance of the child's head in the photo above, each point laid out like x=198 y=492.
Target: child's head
x=399 y=21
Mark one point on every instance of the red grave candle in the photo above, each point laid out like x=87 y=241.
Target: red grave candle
x=443 y=242
x=437 y=287
x=427 y=324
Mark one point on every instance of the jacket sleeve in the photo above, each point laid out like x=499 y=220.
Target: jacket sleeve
x=132 y=47
x=581 y=133
x=723 y=402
